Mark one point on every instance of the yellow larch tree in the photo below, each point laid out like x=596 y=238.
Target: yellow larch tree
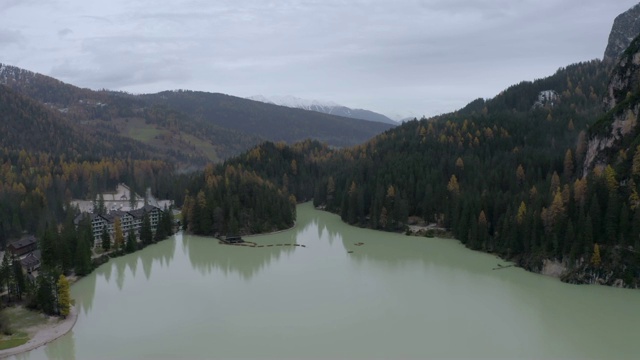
x=64 y=296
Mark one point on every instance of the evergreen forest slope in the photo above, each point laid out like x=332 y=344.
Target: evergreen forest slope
x=540 y=174
x=504 y=175
x=185 y=127
x=268 y=121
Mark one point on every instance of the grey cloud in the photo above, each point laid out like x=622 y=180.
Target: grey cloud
x=9 y=37
x=64 y=32
x=7 y=4
x=411 y=56
x=140 y=61
x=97 y=18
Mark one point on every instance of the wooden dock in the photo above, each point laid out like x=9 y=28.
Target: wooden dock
x=231 y=239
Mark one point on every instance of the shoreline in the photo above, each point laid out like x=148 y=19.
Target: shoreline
x=295 y=224
x=44 y=335
x=50 y=332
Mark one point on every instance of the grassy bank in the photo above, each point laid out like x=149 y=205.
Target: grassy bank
x=23 y=324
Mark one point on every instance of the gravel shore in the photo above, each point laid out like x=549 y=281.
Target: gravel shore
x=44 y=334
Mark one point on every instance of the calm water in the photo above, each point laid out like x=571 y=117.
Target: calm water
x=393 y=297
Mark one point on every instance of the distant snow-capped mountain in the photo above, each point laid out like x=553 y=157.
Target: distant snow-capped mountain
x=323 y=107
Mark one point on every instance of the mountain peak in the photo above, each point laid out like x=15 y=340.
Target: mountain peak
x=327 y=107
x=626 y=27
x=293 y=102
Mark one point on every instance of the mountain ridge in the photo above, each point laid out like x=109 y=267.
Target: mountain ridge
x=271 y=122
x=213 y=127
x=327 y=107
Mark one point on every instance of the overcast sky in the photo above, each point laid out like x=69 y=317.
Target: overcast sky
x=400 y=58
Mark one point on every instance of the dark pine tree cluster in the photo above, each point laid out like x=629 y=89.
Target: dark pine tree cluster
x=232 y=200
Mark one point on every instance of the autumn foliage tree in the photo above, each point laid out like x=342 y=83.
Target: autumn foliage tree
x=64 y=296
x=595 y=258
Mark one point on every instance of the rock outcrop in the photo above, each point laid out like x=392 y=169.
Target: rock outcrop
x=625 y=28
x=613 y=131
x=546 y=98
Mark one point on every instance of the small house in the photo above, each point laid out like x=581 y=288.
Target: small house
x=31 y=262
x=23 y=246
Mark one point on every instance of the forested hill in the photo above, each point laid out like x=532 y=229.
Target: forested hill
x=45 y=161
x=268 y=121
x=61 y=142
x=505 y=177
x=503 y=174
x=185 y=127
x=29 y=126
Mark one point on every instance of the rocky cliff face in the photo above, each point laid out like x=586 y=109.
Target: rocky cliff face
x=625 y=28
x=613 y=132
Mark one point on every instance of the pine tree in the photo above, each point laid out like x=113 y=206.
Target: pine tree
x=118 y=241
x=64 y=296
x=595 y=213
x=83 y=257
x=131 y=242
x=187 y=209
x=589 y=235
x=101 y=209
x=167 y=223
x=19 y=283
x=202 y=215
x=69 y=239
x=106 y=239
x=331 y=189
x=5 y=271
x=483 y=229
x=569 y=237
x=612 y=218
x=623 y=226
x=133 y=201
x=47 y=247
x=45 y=296
x=472 y=235
x=635 y=230
x=146 y=235
x=352 y=203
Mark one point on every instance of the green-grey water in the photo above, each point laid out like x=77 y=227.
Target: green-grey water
x=393 y=297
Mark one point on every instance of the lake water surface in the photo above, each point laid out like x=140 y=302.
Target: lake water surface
x=393 y=297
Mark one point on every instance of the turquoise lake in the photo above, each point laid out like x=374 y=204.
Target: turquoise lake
x=394 y=297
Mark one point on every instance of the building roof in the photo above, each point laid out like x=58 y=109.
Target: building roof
x=120 y=199
x=78 y=219
x=32 y=259
x=24 y=242
x=110 y=217
x=139 y=213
